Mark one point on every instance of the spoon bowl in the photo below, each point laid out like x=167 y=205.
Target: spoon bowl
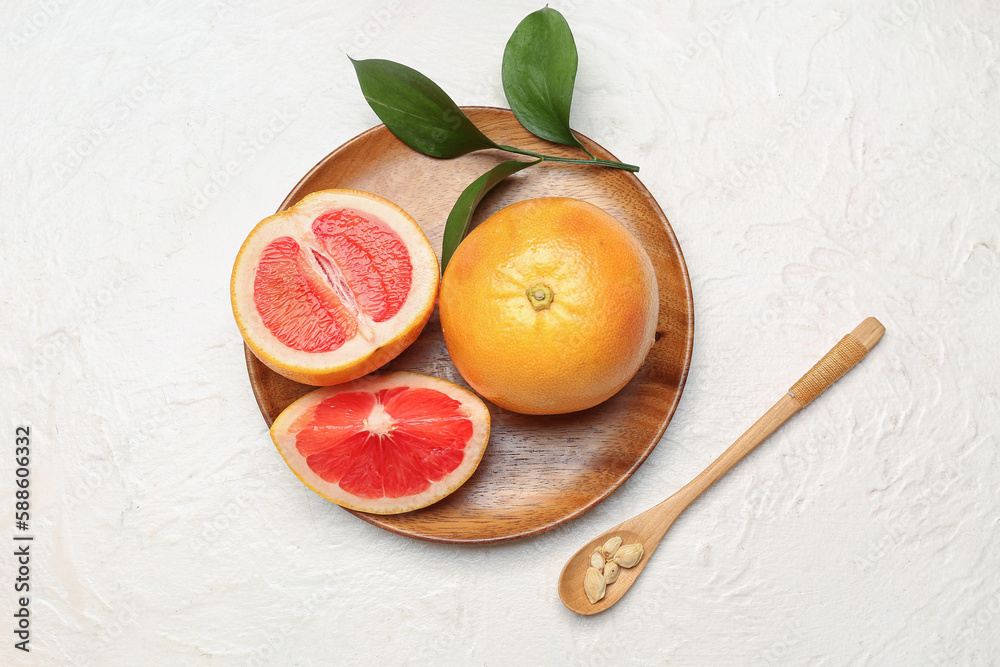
x=571 y=580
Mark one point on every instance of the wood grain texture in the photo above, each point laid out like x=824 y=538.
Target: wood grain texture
x=538 y=471
x=649 y=527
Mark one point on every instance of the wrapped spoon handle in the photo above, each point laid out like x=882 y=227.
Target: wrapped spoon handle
x=851 y=349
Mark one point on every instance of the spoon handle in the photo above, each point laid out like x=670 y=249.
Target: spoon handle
x=851 y=349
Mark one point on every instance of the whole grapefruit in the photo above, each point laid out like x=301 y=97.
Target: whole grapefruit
x=549 y=306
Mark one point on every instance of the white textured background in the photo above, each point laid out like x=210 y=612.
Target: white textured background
x=819 y=162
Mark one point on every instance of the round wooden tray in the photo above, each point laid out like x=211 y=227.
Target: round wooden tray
x=538 y=471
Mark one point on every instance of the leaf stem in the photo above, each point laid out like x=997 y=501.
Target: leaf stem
x=570 y=160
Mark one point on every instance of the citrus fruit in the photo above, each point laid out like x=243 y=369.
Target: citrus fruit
x=384 y=443
x=334 y=287
x=549 y=306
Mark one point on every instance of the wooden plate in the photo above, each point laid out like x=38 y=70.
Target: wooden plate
x=538 y=472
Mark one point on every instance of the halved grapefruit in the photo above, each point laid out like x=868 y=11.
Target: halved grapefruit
x=384 y=443
x=334 y=287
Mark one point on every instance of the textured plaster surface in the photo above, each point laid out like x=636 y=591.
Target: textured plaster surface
x=820 y=162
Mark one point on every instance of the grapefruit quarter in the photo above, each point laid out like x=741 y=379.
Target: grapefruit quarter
x=334 y=287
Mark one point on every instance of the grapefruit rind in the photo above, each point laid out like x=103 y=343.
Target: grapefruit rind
x=359 y=355
x=283 y=434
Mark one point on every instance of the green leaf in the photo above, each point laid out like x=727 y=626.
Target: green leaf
x=417 y=111
x=539 y=70
x=461 y=214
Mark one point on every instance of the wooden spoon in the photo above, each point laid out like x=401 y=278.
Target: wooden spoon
x=649 y=527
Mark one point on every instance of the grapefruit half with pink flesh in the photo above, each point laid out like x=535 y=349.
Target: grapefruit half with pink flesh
x=384 y=443
x=334 y=287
